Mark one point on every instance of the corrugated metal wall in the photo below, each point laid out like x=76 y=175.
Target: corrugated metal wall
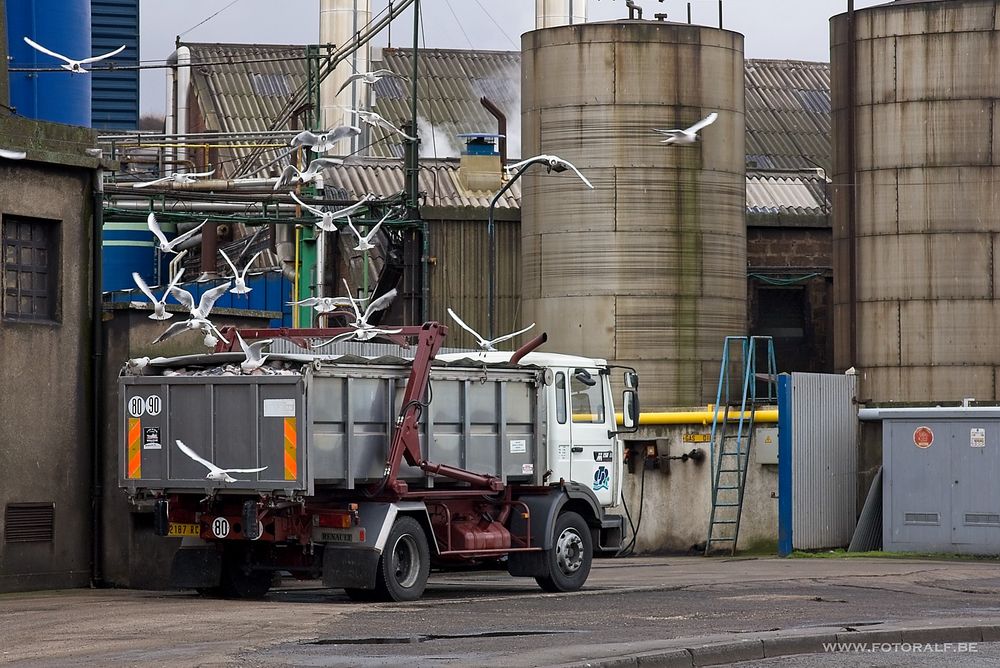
x=458 y=278
x=115 y=94
x=824 y=466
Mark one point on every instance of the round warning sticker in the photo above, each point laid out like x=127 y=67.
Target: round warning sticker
x=923 y=437
x=220 y=527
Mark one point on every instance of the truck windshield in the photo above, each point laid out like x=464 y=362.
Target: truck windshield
x=588 y=398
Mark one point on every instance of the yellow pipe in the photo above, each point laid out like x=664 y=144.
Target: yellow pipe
x=699 y=417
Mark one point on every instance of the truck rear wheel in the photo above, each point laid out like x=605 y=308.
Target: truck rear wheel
x=571 y=555
x=405 y=562
x=239 y=580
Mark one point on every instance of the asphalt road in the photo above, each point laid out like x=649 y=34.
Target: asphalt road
x=630 y=606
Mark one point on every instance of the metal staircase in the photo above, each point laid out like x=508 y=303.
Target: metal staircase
x=750 y=361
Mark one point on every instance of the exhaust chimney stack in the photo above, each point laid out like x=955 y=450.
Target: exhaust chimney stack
x=339 y=23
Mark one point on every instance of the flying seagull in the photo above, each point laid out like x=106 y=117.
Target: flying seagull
x=212 y=335
x=169 y=246
x=241 y=279
x=324 y=304
x=689 y=135
x=74 y=66
x=12 y=155
x=325 y=222
x=205 y=304
x=486 y=345
x=178 y=178
x=376 y=121
x=371 y=78
x=362 y=330
x=553 y=163
x=365 y=241
x=159 y=305
x=254 y=357
x=321 y=142
x=214 y=472
x=291 y=175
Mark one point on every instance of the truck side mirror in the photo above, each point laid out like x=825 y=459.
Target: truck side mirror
x=632 y=380
x=630 y=410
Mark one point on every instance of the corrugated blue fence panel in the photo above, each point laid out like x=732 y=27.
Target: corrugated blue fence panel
x=115 y=94
x=269 y=291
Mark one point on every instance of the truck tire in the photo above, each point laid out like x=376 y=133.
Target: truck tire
x=405 y=562
x=571 y=555
x=238 y=579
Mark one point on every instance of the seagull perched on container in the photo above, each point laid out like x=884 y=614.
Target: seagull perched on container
x=212 y=335
x=291 y=175
x=321 y=142
x=205 y=304
x=553 y=163
x=376 y=121
x=74 y=66
x=241 y=279
x=134 y=366
x=688 y=135
x=371 y=78
x=177 y=178
x=214 y=472
x=169 y=246
x=159 y=305
x=365 y=241
x=325 y=222
x=254 y=357
x=324 y=304
x=12 y=155
x=486 y=345
x=362 y=330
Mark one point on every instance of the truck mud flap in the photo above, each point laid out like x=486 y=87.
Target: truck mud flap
x=196 y=567
x=351 y=567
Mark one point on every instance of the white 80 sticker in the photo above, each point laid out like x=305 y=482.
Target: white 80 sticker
x=136 y=406
x=153 y=405
x=220 y=527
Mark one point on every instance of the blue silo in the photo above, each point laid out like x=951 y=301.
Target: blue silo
x=64 y=27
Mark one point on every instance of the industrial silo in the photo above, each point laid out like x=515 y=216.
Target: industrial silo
x=917 y=164
x=649 y=268
x=62 y=26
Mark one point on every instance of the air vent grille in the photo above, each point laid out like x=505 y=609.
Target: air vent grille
x=29 y=522
x=921 y=518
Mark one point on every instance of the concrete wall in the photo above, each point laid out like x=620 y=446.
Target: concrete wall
x=45 y=433
x=678 y=498
x=132 y=556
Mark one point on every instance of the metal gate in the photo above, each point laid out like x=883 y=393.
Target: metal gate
x=817 y=460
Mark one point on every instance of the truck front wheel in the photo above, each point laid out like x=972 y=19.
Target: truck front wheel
x=405 y=562
x=570 y=557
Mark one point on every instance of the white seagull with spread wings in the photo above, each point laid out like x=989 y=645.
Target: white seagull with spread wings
x=376 y=121
x=553 y=163
x=169 y=246
x=214 y=472
x=321 y=142
x=254 y=352
x=326 y=218
x=486 y=345
x=371 y=78
x=74 y=66
x=159 y=305
x=365 y=241
x=205 y=304
x=324 y=304
x=688 y=135
x=212 y=334
x=178 y=178
x=292 y=175
x=362 y=330
x=241 y=278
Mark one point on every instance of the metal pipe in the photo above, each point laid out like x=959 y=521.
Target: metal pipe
x=501 y=127
x=531 y=345
x=183 y=92
x=720 y=14
x=204 y=207
x=852 y=239
x=97 y=384
x=414 y=175
x=200 y=136
x=699 y=417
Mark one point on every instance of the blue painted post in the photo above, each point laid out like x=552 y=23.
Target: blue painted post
x=784 y=465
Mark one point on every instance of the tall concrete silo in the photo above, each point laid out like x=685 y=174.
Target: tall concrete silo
x=649 y=268
x=916 y=224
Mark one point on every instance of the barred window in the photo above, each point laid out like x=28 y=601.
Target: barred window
x=30 y=269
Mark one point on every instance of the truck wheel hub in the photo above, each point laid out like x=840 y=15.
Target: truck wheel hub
x=569 y=551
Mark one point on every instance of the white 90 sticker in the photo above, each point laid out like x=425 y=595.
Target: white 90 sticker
x=220 y=527
x=153 y=404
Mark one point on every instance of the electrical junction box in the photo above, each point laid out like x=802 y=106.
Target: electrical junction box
x=766 y=445
x=940 y=491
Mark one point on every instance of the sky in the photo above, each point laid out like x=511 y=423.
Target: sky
x=787 y=29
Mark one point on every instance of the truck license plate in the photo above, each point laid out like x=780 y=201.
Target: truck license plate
x=184 y=530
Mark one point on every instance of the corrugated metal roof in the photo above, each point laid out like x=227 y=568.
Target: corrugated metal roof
x=803 y=193
x=787 y=114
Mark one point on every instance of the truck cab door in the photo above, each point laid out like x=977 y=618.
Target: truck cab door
x=592 y=457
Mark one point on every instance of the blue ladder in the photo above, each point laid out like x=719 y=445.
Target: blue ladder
x=732 y=430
